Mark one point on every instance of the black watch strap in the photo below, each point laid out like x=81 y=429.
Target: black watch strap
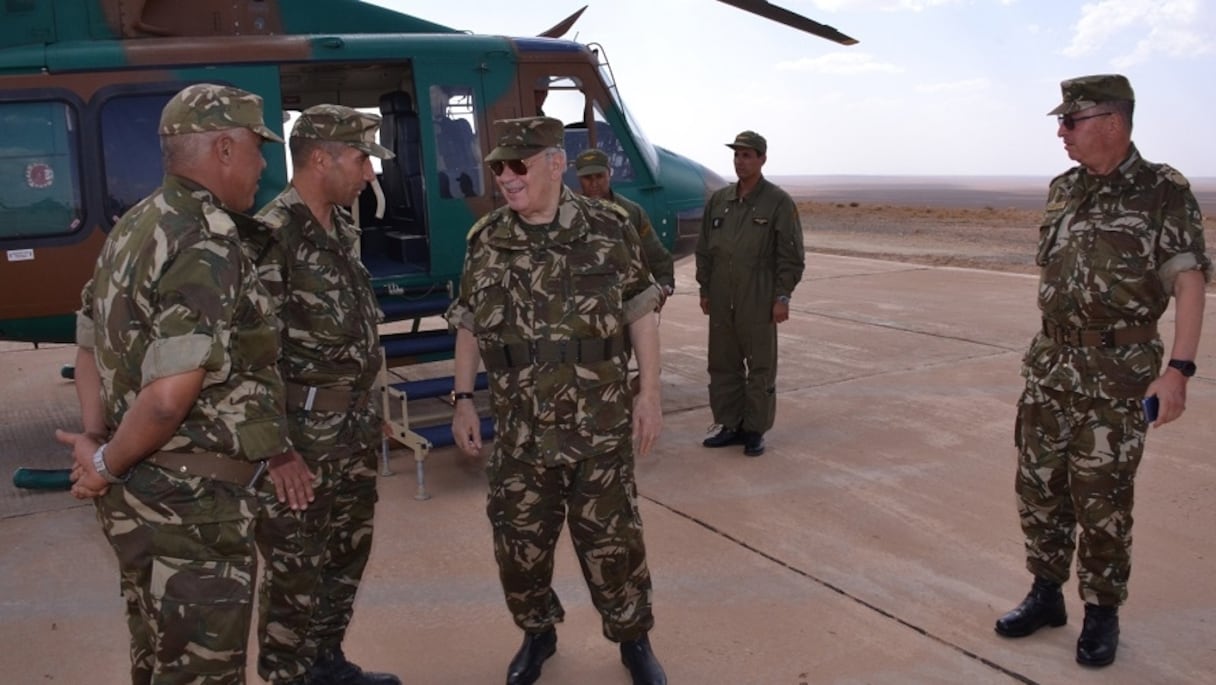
x=461 y=396
x=1185 y=367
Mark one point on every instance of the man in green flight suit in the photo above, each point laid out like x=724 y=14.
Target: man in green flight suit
x=552 y=284
x=749 y=260
x=1120 y=236
x=180 y=397
x=595 y=179
x=309 y=262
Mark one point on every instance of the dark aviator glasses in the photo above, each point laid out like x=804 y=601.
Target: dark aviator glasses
x=1069 y=122
x=517 y=167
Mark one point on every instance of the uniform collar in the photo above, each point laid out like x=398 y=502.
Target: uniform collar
x=570 y=224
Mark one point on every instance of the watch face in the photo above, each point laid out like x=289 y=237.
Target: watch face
x=1187 y=368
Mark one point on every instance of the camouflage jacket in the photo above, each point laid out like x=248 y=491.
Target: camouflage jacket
x=658 y=259
x=581 y=277
x=323 y=295
x=1110 y=248
x=173 y=292
x=749 y=250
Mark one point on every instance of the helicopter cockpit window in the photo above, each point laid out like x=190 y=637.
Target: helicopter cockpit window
x=586 y=126
x=130 y=146
x=458 y=158
x=39 y=169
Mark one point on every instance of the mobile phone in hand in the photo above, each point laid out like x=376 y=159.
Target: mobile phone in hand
x=1150 y=408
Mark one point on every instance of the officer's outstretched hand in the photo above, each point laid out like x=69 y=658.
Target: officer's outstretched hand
x=466 y=428
x=647 y=421
x=1170 y=389
x=292 y=480
x=705 y=306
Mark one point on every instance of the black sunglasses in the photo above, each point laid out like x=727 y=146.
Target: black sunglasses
x=1069 y=122
x=517 y=167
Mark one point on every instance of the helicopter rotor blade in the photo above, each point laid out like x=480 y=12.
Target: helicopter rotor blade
x=791 y=19
x=560 y=28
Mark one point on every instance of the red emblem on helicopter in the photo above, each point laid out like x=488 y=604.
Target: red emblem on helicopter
x=39 y=175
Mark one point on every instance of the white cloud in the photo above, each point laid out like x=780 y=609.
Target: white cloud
x=840 y=63
x=955 y=86
x=1174 y=27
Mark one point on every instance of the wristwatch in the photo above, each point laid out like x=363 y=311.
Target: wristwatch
x=460 y=396
x=1186 y=368
x=783 y=299
x=99 y=465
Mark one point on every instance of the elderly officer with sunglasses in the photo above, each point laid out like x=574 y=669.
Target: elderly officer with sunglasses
x=552 y=284
x=1120 y=236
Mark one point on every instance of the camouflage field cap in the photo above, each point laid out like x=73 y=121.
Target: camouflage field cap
x=591 y=161
x=1084 y=92
x=750 y=139
x=339 y=124
x=522 y=138
x=209 y=107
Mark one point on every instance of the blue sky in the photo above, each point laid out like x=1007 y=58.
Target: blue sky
x=951 y=87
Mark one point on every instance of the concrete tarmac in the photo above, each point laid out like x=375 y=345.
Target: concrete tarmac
x=875 y=542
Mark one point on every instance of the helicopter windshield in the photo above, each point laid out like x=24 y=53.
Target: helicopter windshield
x=650 y=155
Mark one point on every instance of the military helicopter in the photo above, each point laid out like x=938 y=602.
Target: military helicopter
x=82 y=83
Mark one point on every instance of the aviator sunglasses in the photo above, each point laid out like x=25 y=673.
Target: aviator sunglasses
x=517 y=167
x=1069 y=122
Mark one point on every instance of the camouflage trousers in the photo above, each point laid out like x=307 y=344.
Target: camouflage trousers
x=527 y=505
x=1077 y=461
x=186 y=562
x=742 y=365
x=314 y=561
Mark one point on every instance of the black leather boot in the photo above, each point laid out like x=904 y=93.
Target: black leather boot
x=753 y=443
x=525 y=667
x=641 y=662
x=1044 y=606
x=725 y=436
x=1099 y=636
x=332 y=668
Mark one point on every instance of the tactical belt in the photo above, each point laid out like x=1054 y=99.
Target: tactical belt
x=571 y=351
x=1113 y=337
x=309 y=398
x=210 y=465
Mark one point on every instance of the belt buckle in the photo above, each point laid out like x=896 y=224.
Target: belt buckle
x=533 y=354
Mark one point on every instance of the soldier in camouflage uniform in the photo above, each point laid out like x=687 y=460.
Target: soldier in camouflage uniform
x=749 y=259
x=552 y=284
x=176 y=368
x=595 y=178
x=1120 y=236
x=309 y=261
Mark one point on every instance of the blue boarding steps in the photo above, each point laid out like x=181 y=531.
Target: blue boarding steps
x=421 y=439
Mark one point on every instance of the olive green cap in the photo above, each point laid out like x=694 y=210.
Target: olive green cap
x=522 y=138
x=1084 y=92
x=591 y=161
x=750 y=139
x=339 y=124
x=210 y=107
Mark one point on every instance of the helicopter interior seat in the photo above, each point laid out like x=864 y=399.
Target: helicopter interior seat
x=401 y=178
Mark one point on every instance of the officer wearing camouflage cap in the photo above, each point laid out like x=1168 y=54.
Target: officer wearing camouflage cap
x=309 y=262
x=552 y=284
x=180 y=397
x=1120 y=236
x=595 y=179
x=749 y=260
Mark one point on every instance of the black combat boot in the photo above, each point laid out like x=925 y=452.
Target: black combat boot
x=1099 y=636
x=332 y=668
x=725 y=436
x=525 y=667
x=643 y=666
x=753 y=443
x=1044 y=606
